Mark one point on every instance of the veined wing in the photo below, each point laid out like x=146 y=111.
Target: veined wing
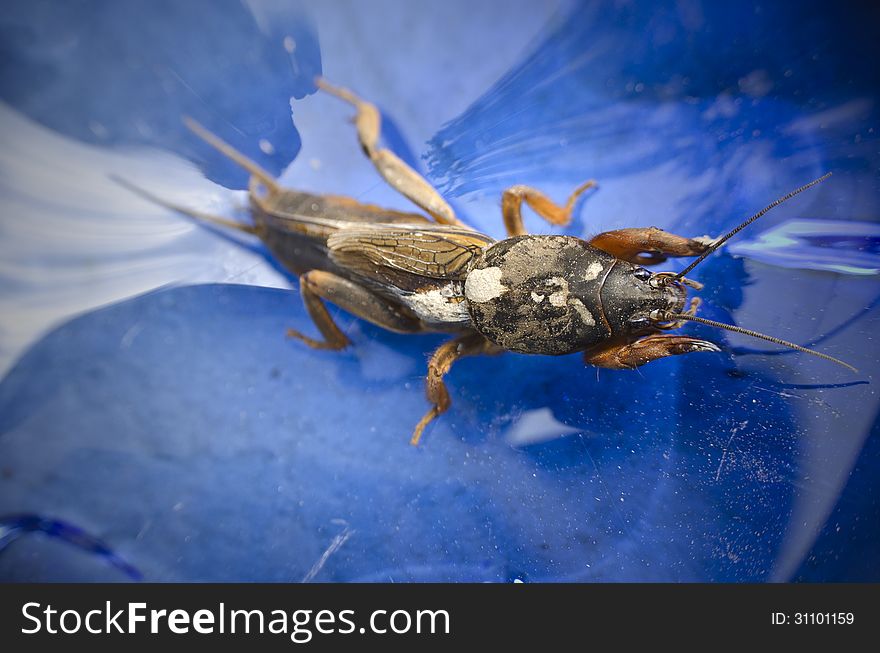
x=406 y=255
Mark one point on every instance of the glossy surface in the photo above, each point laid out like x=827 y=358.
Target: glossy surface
x=177 y=435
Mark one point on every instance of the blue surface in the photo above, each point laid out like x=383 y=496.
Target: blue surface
x=182 y=435
x=113 y=73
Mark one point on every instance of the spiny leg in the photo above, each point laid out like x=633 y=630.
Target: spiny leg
x=317 y=285
x=398 y=174
x=513 y=197
x=627 y=356
x=648 y=245
x=439 y=365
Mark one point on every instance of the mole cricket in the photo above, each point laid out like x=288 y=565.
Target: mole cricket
x=416 y=273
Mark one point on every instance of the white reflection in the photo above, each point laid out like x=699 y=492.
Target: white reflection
x=73 y=240
x=534 y=426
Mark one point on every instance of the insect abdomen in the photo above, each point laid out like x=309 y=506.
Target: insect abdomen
x=439 y=305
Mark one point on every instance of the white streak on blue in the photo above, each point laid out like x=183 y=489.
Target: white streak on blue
x=842 y=246
x=72 y=240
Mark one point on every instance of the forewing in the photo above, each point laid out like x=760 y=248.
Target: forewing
x=407 y=256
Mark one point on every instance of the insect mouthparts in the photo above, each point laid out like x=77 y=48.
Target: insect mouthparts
x=664 y=279
x=660 y=316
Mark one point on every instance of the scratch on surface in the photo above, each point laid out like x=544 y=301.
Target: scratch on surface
x=242 y=272
x=143 y=530
x=335 y=545
x=207 y=104
x=290 y=48
x=733 y=433
x=130 y=335
x=615 y=508
x=790 y=395
x=778 y=392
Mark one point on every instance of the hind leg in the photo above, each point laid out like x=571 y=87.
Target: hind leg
x=398 y=174
x=318 y=285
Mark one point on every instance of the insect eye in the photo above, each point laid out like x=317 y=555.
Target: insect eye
x=642 y=274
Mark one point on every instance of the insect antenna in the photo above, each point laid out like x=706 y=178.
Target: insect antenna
x=193 y=213
x=748 y=332
x=718 y=243
x=225 y=148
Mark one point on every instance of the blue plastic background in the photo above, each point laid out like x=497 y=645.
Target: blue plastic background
x=211 y=448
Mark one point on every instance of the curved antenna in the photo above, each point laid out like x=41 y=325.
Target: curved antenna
x=754 y=334
x=718 y=243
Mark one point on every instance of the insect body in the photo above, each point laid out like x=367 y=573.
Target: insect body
x=558 y=295
x=410 y=273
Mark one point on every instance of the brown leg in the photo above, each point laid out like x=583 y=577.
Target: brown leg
x=627 y=356
x=441 y=361
x=648 y=245
x=355 y=299
x=511 y=207
x=398 y=174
